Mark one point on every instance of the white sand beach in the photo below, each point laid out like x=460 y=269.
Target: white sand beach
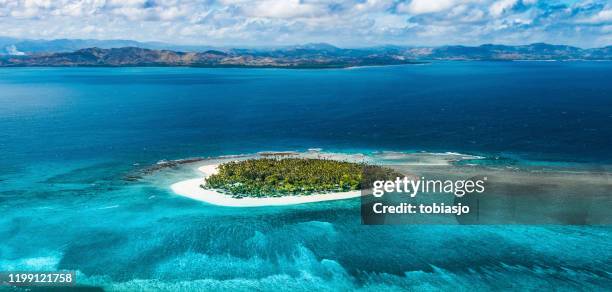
x=191 y=189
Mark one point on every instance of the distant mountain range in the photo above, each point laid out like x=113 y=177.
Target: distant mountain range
x=66 y=52
x=133 y=56
x=27 y=46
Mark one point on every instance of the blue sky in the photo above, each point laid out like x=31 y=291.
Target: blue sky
x=347 y=23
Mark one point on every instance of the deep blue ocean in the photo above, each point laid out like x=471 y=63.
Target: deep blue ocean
x=69 y=137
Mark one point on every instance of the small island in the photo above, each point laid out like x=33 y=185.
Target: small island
x=280 y=180
x=271 y=177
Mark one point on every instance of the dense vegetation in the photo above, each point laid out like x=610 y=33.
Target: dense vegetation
x=267 y=177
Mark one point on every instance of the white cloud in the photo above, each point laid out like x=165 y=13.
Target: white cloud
x=283 y=9
x=426 y=6
x=12 y=50
x=465 y=13
x=604 y=16
x=501 y=6
x=342 y=22
x=436 y=30
x=372 y=6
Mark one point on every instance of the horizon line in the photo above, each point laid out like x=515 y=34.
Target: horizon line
x=237 y=46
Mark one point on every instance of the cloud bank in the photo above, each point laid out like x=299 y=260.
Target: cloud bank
x=341 y=22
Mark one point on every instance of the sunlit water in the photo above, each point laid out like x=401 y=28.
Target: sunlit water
x=70 y=137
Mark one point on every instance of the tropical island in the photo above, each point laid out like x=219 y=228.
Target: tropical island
x=270 y=177
x=281 y=179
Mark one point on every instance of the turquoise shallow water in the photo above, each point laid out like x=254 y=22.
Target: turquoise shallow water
x=70 y=136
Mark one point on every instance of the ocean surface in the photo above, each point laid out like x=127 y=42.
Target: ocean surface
x=71 y=139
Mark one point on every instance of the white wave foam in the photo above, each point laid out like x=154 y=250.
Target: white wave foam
x=42 y=263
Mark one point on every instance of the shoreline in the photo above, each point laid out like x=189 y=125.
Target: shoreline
x=191 y=189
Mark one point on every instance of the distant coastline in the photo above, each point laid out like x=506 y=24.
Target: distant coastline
x=311 y=56
x=140 y=57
